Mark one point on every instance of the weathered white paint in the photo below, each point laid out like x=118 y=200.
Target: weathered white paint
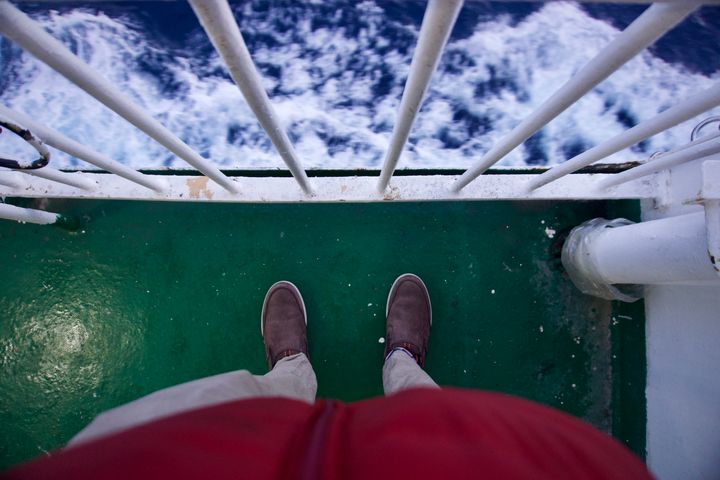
x=683 y=385
x=19 y=28
x=683 y=358
x=217 y=19
x=61 y=142
x=439 y=19
x=644 y=31
x=340 y=189
x=27 y=215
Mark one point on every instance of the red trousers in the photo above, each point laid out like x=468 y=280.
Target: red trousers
x=422 y=433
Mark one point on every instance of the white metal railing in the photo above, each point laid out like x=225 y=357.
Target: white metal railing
x=686 y=110
x=71 y=147
x=700 y=148
x=216 y=18
x=29 y=35
x=644 y=31
x=440 y=17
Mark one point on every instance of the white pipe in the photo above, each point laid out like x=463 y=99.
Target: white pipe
x=439 y=19
x=689 y=108
x=71 y=147
x=217 y=19
x=644 y=31
x=19 y=28
x=73 y=179
x=663 y=162
x=27 y=215
x=671 y=250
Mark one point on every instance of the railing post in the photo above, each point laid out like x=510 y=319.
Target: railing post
x=217 y=19
x=27 y=215
x=73 y=179
x=440 y=16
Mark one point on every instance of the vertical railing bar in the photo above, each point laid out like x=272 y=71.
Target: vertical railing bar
x=18 y=27
x=686 y=110
x=72 y=179
x=78 y=150
x=27 y=215
x=644 y=31
x=663 y=162
x=219 y=23
x=437 y=24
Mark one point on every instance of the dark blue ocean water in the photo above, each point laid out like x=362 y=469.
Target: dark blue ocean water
x=335 y=71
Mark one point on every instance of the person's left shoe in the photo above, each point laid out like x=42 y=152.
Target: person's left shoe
x=283 y=323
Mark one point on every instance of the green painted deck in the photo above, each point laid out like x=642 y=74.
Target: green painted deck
x=147 y=295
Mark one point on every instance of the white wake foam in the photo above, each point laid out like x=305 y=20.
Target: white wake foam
x=327 y=92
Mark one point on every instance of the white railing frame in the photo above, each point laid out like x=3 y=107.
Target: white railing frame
x=440 y=17
x=357 y=189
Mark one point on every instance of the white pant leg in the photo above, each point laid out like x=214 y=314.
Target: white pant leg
x=401 y=371
x=292 y=377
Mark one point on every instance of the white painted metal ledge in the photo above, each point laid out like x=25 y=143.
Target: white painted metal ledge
x=341 y=189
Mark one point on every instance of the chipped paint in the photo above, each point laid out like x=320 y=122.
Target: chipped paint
x=198 y=186
x=393 y=193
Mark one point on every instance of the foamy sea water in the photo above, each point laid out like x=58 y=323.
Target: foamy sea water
x=335 y=73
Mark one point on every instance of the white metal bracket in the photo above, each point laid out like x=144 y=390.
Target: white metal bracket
x=710 y=198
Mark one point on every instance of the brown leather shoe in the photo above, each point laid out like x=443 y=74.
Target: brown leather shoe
x=409 y=317
x=283 y=323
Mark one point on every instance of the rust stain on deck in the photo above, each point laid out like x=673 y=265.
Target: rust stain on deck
x=198 y=186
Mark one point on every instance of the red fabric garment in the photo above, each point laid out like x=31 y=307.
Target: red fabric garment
x=421 y=433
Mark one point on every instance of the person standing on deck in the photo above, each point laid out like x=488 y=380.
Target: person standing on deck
x=237 y=425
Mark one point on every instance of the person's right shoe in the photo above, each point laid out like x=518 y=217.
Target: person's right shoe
x=409 y=317
x=283 y=323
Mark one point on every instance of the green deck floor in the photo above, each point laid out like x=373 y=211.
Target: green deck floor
x=147 y=295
